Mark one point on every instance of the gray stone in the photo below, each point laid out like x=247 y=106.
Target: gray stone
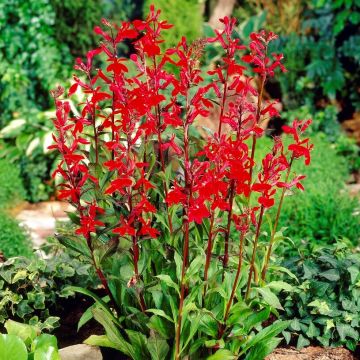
x=80 y=352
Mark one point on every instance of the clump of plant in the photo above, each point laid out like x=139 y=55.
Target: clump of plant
x=327 y=212
x=30 y=290
x=155 y=206
x=11 y=188
x=324 y=305
x=23 y=342
x=14 y=239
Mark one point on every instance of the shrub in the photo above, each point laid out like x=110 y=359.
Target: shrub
x=326 y=212
x=11 y=188
x=154 y=206
x=324 y=304
x=187 y=22
x=14 y=240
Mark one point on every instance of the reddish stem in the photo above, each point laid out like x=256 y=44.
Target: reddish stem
x=268 y=253
x=208 y=250
x=252 y=262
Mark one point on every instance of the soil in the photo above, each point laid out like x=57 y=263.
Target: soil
x=312 y=353
x=71 y=310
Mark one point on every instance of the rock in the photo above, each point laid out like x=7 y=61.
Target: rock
x=311 y=353
x=80 y=352
x=354 y=189
x=352 y=127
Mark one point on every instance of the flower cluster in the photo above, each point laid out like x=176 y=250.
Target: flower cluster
x=118 y=152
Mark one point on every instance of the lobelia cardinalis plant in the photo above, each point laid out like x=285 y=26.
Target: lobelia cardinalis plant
x=156 y=206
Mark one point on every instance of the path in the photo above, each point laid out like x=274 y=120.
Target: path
x=40 y=219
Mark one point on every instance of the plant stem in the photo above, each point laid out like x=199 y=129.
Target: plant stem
x=186 y=227
x=227 y=234
x=269 y=250
x=241 y=248
x=252 y=263
x=258 y=112
x=101 y=275
x=208 y=250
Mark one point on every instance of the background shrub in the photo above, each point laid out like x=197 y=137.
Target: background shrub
x=325 y=211
x=14 y=240
x=11 y=186
x=185 y=15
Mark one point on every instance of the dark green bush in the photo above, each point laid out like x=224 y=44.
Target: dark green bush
x=324 y=305
x=14 y=240
x=11 y=187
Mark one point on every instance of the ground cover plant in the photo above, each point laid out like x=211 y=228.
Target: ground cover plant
x=324 y=304
x=31 y=290
x=156 y=205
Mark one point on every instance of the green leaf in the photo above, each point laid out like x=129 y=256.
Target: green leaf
x=160 y=326
x=100 y=303
x=222 y=354
x=88 y=314
x=195 y=266
x=332 y=275
x=270 y=298
x=266 y=334
x=12 y=348
x=158 y=348
x=262 y=349
x=256 y=318
x=312 y=331
x=25 y=332
x=113 y=333
x=302 y=342
x=100 y=340
x=45 y=348
x=280 y=285
x=354 y=272
x=161 y=313
x=169 y=282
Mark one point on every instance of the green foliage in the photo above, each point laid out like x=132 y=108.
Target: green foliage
x=326 y=211
x=151 y=335
x=31 y=60
x=185 y=15
x=25 y=142
x=319 y=40
x=11 y=187
x=14 y=241
x=324 y=306
x=324 y=120
x=30 y=290
x=78 y=17
x=25 y=342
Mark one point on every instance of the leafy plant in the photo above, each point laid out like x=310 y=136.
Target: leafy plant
x=324 y=306
x=14 y=240
x=23 y=342
x=25 y=142
x=30 y=289
x=155 y=204
x=327 y=212
x=11 y=188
